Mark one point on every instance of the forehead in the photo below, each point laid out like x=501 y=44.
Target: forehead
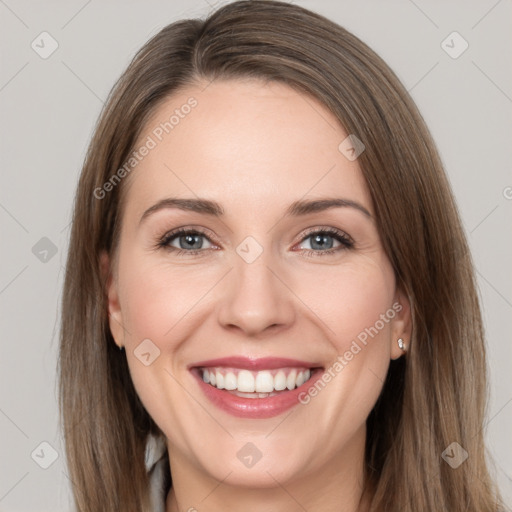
x=247 y=143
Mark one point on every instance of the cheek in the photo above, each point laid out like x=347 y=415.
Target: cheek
x=353 y=300
x=156 y=300
x=158 y=297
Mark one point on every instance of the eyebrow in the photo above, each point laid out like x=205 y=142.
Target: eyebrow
x=296 y=209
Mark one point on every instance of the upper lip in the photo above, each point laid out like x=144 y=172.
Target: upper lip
x=246 y=363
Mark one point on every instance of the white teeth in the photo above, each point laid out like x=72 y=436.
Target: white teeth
x=264 y=382
x=230 y=381
x=291 y=379
x=280 y=381
x=255 y=384
x=245 y=381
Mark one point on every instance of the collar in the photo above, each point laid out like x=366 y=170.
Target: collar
x=156 y=462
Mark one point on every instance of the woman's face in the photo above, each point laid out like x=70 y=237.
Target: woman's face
x=279 y=276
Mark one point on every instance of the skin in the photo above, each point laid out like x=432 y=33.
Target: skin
x=254 y=148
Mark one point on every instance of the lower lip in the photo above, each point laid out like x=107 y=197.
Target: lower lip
x=257 y=408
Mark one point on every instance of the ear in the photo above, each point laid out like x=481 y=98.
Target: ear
x=401 y=326
x=115 y=318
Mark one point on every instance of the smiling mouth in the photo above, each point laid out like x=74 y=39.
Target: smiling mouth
x=255 y=384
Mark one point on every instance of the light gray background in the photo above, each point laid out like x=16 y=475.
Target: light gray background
x=48 y=110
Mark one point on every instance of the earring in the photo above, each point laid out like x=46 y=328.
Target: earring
x=121 y=347
x=401 y=344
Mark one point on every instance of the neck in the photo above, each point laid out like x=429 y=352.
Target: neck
x=337 y=486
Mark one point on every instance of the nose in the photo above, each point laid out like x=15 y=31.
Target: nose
x=256 y=299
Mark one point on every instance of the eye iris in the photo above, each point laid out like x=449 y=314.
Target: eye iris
x=319 y=241
x=193 y=241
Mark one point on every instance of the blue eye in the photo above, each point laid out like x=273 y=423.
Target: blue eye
x=188 y=241
x=322 y=242
x=191 y=242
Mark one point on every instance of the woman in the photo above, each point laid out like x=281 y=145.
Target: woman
x=264 y=228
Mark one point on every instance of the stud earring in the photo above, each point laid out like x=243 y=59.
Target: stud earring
x=401 y=344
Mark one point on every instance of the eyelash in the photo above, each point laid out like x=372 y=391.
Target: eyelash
x=345 y=241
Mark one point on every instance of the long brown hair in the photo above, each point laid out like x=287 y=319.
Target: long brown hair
x=433 y=397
